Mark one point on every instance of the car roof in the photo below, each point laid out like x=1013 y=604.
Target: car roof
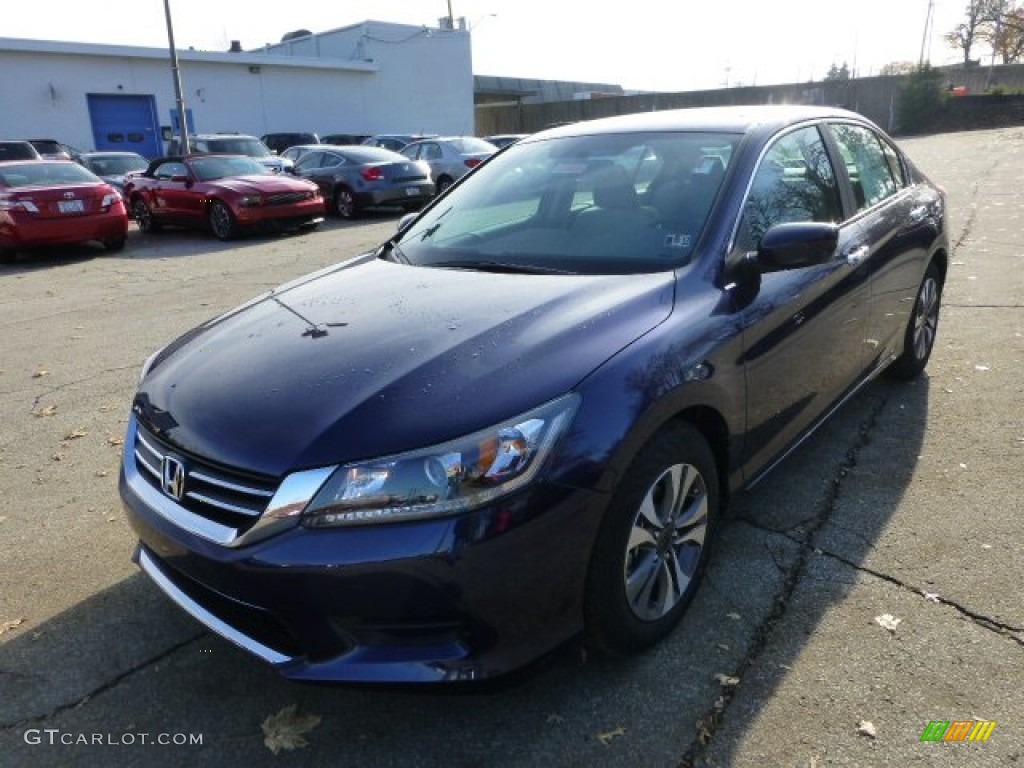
x=738 y=119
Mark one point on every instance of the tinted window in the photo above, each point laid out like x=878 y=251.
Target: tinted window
x=870 y=173
x=40 y=172
x=794 y=182
x=210 y=168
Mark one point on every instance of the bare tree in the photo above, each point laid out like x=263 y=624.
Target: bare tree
x=978 y=17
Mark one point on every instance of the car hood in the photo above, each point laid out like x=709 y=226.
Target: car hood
x=371 y=358
x=264 y=183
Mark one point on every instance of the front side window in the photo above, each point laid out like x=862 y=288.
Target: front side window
x=604 y=204
x=870 y=172
x=794 y=182
x=167 y=170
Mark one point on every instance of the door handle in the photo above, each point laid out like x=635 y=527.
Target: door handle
x=917 y=214
x=857 y=255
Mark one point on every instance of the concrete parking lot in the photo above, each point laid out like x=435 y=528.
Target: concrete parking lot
x=869 y=586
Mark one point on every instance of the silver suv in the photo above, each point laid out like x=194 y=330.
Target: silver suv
x=231 y=144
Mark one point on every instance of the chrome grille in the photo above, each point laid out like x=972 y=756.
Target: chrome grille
x=225 y=497
x=284 y=198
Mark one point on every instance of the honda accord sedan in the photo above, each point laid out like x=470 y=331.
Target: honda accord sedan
x=519 y=419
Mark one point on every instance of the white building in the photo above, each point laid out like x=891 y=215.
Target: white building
x=372 y=77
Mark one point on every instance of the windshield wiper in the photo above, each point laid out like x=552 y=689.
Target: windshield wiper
x=500 y=267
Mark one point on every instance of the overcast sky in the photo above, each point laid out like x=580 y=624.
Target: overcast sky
x=669 y=45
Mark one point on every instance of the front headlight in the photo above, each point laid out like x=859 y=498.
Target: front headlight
x=445 y=479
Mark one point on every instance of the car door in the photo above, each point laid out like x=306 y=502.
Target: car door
x=171 y=191
x=803 y=329
x=895 y=217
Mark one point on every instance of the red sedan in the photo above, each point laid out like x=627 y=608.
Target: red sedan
x=226 y=193
x=44 y=202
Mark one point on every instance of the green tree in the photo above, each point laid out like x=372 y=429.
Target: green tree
x=921 y=99
x=838 y=73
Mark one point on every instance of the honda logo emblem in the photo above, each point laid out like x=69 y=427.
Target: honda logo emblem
x=173 y=478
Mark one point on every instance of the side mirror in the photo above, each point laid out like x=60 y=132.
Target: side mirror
x=797 y=245
x=406 y=220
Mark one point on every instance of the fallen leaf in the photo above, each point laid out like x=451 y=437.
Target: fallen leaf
x=76 y=433
x=931 y=597
x=555 y=719
x=727 y=681
x=606 y=737
x=59 y=456
x=285 y=729
x=722 y=646
x=866 y=728
x=40 y=373
x=106 y=408
x=47 y=411
x=888 y=621
x=7 y=626
x=981 y=368
x=115 y=441
x=102 y=473
x=734 y=616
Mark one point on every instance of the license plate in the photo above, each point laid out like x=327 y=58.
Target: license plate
x=71 y=206
x=412 y=191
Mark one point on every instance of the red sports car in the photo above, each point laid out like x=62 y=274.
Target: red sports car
x=54 y=202
x=226 y=193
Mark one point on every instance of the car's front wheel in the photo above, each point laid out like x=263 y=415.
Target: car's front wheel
x=443 y=183
x=114 y=244
x=144 y=216
x=652 y=547
x=919 y=336
x=222 y=220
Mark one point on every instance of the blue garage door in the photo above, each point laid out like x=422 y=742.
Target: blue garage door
x=125 y=123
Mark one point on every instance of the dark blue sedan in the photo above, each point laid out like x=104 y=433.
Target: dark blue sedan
x=521 y=417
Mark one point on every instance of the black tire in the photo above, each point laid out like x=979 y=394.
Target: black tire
x=443 y=183
x=222 y=220
x=144 y=216
x=345 y=203
x=653 y=545
x=114 y=244
x=919 y=336
x=7 y=254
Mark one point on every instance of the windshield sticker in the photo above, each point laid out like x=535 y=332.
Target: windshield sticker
x=677 y=241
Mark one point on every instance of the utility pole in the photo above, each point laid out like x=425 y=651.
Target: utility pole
x=928 y=22
x=176 y=74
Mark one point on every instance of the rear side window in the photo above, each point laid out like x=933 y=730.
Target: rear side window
x=870 y=170
x=794 y=182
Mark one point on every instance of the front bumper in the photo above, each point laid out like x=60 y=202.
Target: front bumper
x=452 y=599
x=306 y=211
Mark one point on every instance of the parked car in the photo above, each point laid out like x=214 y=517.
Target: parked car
x=51 y=149
x=502 y=140
x=344 y=139
x=356 y=177
x=226 y=193
x=18 y=150
x=521 y=417
x=57 y=202
x=113 y=167
x=450 y=157
x=279 y=142
x=230 y=144
x=393 y=141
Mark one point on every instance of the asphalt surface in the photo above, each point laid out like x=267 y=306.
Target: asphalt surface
x=906 y=505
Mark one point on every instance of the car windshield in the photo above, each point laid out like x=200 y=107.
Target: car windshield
x=607 y=204
x=45 y=174
x=210 y=168
x=115 y=165
x=239 y=146
x=366 y=155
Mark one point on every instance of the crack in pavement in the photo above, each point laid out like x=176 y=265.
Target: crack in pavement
x=708 y=723
x=101 y=689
